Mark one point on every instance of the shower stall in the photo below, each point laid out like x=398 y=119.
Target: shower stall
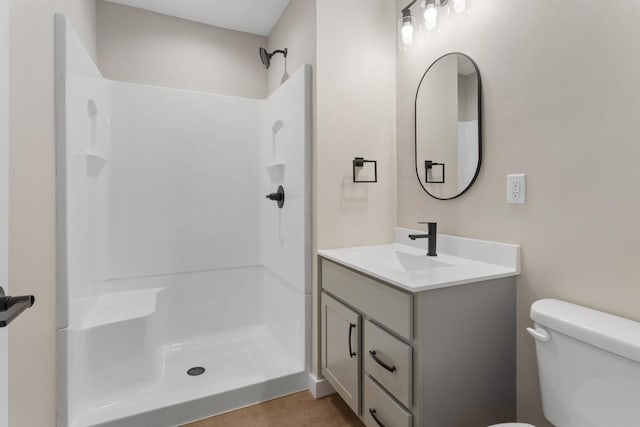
x=182 y=290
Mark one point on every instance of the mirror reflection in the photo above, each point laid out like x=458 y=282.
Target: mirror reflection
x=448 y=122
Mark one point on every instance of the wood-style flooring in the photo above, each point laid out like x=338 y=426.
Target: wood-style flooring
x=296 y=410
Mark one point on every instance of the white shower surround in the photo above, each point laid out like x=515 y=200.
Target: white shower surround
x=169 y=255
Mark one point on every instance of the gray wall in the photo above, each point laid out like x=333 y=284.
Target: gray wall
x=139 y=46
x=32 y=353
x=561 y=103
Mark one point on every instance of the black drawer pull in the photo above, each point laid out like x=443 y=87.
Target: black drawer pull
x=352 y=326
x=372 y=353
x=375 y=418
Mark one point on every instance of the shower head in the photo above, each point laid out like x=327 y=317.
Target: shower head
x=265 y=56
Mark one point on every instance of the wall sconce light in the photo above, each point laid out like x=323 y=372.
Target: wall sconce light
x=459 y=6
x=433 y=12
x=407 y=28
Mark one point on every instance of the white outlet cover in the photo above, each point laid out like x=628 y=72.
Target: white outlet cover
x=517 y=188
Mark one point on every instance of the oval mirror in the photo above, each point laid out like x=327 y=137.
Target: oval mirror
x=448 y=126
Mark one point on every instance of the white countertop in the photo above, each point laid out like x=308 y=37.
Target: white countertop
x=406 y=266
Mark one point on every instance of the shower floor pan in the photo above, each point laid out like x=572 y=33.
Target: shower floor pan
x=132 y=344
x=242 y=367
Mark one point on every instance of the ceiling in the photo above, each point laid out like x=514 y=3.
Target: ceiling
x=249 y=16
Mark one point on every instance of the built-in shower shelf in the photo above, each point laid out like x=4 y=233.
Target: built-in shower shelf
x=95 y=162
x=276 y=165
x=276 y=171
x=95 y=156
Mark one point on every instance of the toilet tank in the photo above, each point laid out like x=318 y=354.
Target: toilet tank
x=589 y=365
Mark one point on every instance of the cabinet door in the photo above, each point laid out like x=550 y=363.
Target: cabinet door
x=341 y=350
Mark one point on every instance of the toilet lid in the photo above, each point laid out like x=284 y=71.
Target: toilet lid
x=513 y=425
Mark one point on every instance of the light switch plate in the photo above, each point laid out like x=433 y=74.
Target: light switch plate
x=517 y=188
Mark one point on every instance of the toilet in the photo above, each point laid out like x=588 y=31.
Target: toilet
x=589 y=366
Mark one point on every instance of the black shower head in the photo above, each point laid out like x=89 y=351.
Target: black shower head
x=265 y=56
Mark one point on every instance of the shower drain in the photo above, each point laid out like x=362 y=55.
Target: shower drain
x=194 y=372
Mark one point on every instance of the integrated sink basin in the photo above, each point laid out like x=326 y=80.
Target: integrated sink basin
x=398 y=259
x=405 y=263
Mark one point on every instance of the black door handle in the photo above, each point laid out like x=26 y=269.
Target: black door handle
x=11 y=307
x=352 y=326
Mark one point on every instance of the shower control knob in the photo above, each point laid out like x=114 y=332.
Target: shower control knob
x=278 y=196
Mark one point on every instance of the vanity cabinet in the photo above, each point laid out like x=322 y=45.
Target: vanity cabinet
x=437 y=358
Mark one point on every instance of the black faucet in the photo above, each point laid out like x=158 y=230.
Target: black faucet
x=432 y=236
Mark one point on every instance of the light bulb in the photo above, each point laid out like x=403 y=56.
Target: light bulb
x=459 y=5
x=407 y=33
x=430 y=16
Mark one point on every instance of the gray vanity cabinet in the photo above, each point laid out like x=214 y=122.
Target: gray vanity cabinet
x=437 y=358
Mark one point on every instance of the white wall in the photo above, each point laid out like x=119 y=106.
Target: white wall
x=184 y=190
x=32 y=200
x=189 y=175
x=561 y=98
x=82 y=182
x=138 y=46
x=285 y=159
x=83 y=179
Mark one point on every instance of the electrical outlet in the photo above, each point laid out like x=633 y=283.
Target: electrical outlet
x=517 y=188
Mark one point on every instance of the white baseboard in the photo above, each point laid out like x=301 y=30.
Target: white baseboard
x=319 y=388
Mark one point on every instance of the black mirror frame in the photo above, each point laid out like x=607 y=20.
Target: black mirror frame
x=415 y=127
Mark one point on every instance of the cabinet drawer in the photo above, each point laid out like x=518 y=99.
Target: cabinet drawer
x=379 y=405
x=389 y=306
x=389 y=361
